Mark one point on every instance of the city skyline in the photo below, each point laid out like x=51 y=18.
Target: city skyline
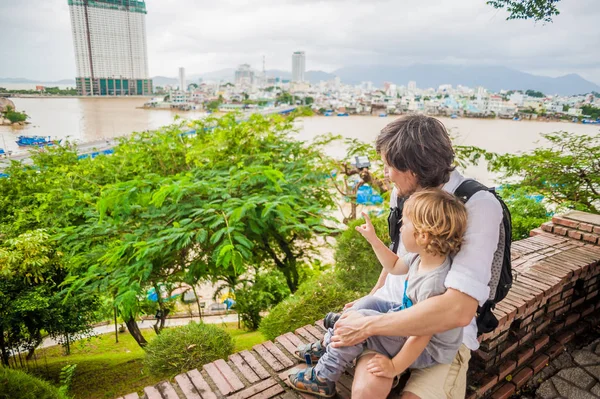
x=205 y=37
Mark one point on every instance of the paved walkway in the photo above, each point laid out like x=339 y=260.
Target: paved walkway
x=145 y=324
x=575 y=374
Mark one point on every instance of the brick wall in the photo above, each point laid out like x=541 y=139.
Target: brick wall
x=554 y=297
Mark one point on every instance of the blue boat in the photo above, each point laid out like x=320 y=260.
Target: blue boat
x=36 y=141
x=383 y=115
x=590 y=122
x=453 y=116
x=343 y=114
x=2 y=152
x=328 y=114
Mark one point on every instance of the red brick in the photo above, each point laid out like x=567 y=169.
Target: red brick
x=591 y=295
x=540 y=342
x=565 y=337
x=565 y=222
x=547 y=226
x=261 y=387
x=591 y=238
x=187 y=387
x=279 y=355
x=560 y=230
x=254 y=364
x=152 y=393
x=487 y=384
x=567 y=293
x=509 y=349
x=505 y=391
x=314 y=331
x=539 y=363
x=572 y=318
x=522 y=377
x=577 y=302
x=597 y=229
x=485 y=356
x=525 y=338
x=223 y=377
x=201 y=386
x=575 y=234
x=524 y=355
x=581 y=327
x=268 y=357
x=555 y=350
x=562 y=310
x=246 y=371
x=556 y=305
x=305 y=334
x=586 y=227
x=167 y=390
x=506 y=368
x=542 y=326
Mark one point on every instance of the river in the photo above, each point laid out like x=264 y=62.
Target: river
x=89 y=119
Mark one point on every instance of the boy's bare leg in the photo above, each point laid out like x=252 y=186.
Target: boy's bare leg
x=367 y=385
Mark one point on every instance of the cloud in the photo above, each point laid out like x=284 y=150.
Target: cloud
x=35 y=37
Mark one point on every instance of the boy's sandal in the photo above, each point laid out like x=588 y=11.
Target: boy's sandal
x=312 y=351
x=306 y=381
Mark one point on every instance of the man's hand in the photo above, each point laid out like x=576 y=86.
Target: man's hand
x=382 y=366
x=350 y=330
x=367 y=230
x=350 y=304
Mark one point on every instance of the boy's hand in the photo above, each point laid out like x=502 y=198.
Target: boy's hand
x=367 y=230
x=382 y=366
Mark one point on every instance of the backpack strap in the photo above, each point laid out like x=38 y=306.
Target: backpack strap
x=395 y=223
x=470 y=187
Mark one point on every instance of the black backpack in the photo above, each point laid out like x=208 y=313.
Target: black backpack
x=501 y=279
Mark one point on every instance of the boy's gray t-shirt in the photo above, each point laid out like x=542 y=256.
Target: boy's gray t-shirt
x=443 y=346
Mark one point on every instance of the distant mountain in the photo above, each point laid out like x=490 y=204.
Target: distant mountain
x=494 y=78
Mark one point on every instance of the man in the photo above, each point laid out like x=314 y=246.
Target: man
x=418 y=154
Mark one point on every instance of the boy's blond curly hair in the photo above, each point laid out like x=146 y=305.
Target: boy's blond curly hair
x=442 y=216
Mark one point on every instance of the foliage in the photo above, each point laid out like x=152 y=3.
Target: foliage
x=14 y=116
x=16 y=384
x=527 y=212
x=66 y=376
x=185 y=348
x=538 y=10
x=534 y=93
x=267 y=290
x=591 y=111
x=168 y=208
x=314 y=298
x=356 y=265
x=213 y=105
x=566 y=171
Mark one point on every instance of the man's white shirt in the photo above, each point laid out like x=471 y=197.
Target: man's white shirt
x=471 y=268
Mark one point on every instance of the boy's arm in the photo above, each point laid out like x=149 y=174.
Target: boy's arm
x=388 y=259
x=382 y=366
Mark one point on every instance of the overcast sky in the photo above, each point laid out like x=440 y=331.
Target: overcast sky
x=204 y=36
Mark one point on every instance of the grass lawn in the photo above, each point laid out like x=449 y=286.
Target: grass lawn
x=106 y=369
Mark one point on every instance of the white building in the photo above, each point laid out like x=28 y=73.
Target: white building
x=412 y=86
x=244 y=75
x=182 y=86
x=298 y=66
x=109 y=37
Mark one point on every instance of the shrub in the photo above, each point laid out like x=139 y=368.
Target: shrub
x=14 y=116
x=314 y=298
x=15 y=384
x=184 y=348
x=526 y=212
x=268 y=290
x=356 y=265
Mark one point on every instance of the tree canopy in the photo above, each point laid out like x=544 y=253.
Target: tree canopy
x=538 y=10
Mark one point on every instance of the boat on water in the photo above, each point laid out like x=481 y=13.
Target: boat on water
x=343 y=114
x=36 y=141
x=453 y=116
x=590 y=122
x=383 y=115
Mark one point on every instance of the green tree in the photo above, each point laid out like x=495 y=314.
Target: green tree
x=538 y=10
x=14 y=116
x=565 y=170
x=534 y=93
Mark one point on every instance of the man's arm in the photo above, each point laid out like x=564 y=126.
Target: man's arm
x=434 y=315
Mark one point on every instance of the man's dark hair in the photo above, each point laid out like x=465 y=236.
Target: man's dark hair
x=419 y=144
